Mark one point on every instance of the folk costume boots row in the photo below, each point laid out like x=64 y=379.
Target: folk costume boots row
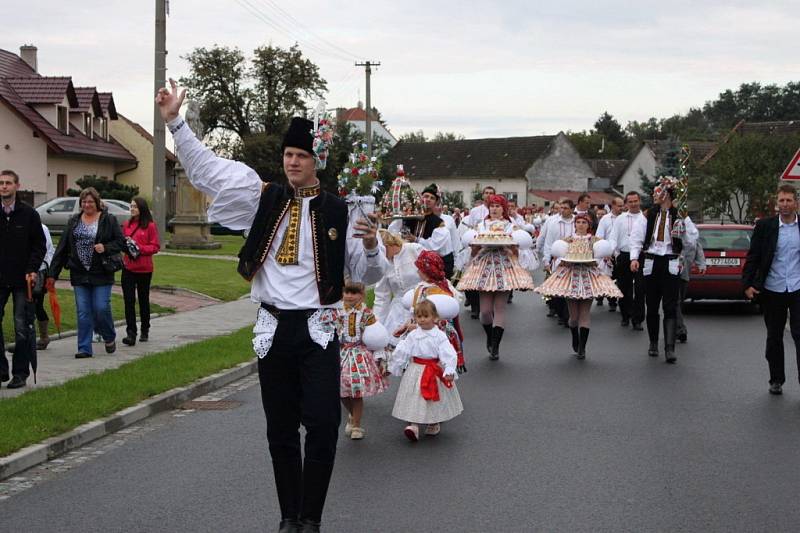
x=670 y=334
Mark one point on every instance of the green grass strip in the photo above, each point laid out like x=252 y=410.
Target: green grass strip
x=46 y=412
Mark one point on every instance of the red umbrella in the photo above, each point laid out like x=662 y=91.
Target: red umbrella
x=55 y=307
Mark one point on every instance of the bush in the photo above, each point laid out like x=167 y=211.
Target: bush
x=108 y=189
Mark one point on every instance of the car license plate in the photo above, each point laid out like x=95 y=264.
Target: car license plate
x=723 y=261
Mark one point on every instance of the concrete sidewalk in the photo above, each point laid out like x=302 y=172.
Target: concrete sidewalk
x=57 y=363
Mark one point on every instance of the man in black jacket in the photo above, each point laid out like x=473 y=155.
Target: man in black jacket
x=22 y=249
x=772 y=274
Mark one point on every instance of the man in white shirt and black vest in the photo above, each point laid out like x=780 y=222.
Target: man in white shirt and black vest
x=661 y=244
x=297 y=256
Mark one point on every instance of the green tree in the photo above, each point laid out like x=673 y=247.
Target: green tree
x=414 y=137
x=446 y=136
x=608 y=127
x=108 y=189
x=742 y=177
x=247 y=105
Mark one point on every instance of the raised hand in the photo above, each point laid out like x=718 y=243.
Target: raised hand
x=169 y=102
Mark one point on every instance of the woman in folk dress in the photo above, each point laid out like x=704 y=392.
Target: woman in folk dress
x=578 y=279
x=494 y=272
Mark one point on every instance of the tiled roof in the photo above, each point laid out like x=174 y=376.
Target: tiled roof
x=107 y=103
x=698 y=150
x=509 y=157
x=781 y=127
x=88 y=100
x=76 y=143
x=356 y=114
x=608 y=168
x=11 y=65
x=44 y=90
x=146 y=134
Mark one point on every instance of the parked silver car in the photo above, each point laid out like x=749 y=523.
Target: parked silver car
x=56 y=212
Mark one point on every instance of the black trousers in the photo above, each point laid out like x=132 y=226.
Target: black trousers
x=661 y=290
x=560 y=307
x=136 y=284
x=300 y=385
x=632 y=287
x=24 y=334
x=776 y=307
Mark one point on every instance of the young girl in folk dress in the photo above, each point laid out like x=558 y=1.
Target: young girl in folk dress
x=430 y=268
x=362 y=370
x=578 y=279
x=427 y=392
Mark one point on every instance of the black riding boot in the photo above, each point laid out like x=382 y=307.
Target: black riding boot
x=488 y=329
x=583 y=337
x=575 y=338
x=669 y=340
x=497 y=336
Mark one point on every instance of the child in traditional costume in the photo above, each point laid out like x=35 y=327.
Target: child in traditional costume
x=578 y=279
x=430 y=268
x=361 y=342
x=427 y=392
x=495 y=269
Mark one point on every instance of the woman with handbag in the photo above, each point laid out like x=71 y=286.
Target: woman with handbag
x=141 y=244
x=90 y=248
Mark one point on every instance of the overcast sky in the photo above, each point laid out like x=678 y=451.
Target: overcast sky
x=479 y=68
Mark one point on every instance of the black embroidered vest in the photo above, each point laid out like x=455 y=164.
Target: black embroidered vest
x=328 y=230
x=652 y=216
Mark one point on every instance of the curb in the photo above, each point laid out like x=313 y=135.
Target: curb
x=55 y=446
x=121 y=322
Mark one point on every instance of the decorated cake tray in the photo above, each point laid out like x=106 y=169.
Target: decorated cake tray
x=576 y=260
x=494 y=239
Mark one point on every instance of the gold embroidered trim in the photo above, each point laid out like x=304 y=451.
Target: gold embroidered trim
x=351 y=324
x=272 y=235
x=306 y=192
x=288 y=253
x=315 y=245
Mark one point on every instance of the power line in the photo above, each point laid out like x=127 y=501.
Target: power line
x=289 y=33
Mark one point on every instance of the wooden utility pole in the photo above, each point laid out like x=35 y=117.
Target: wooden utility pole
x=368 y=69
x=159 y=134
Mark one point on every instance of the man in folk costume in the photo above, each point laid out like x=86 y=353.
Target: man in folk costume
x=630 y=283
x=430 y=232
x=661 y=244
x=297 y=256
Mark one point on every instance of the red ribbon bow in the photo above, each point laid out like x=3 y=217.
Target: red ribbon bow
x=428 y=386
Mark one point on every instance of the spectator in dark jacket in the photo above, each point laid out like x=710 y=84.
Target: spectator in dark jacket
x=138 y=271
x=90 y=249
x=22 y=249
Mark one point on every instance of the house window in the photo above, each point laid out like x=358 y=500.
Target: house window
x=61 y=185
x=510 y=196
x=87 y=125
x=63 y=119
x=104 y=128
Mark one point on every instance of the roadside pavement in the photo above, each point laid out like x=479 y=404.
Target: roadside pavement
x=178 y=299
x=57 y=364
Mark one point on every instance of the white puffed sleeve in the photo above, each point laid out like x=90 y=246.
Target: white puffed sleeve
x=234 y=188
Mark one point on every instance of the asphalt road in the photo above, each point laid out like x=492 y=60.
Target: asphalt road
x=618 y=442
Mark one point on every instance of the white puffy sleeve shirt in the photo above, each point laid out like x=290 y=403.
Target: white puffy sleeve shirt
x=425 y=344
x=235 y=192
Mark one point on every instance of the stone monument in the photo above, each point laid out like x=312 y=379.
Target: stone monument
x=191 y=229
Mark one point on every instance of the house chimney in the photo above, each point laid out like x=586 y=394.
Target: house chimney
x=27 y=53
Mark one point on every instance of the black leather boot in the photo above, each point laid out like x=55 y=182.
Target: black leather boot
x=583 y=335
x=289 y=482
x=497 y=336
x=652 y=351
x=488 y=329
x=669 y=340
x=575 y=339
x=290 y=525
x=309 y=526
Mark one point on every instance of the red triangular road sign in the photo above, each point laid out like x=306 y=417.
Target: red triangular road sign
x=792 y=172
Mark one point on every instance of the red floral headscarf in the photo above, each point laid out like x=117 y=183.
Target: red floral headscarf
x=432 y=265
x=501 y=200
